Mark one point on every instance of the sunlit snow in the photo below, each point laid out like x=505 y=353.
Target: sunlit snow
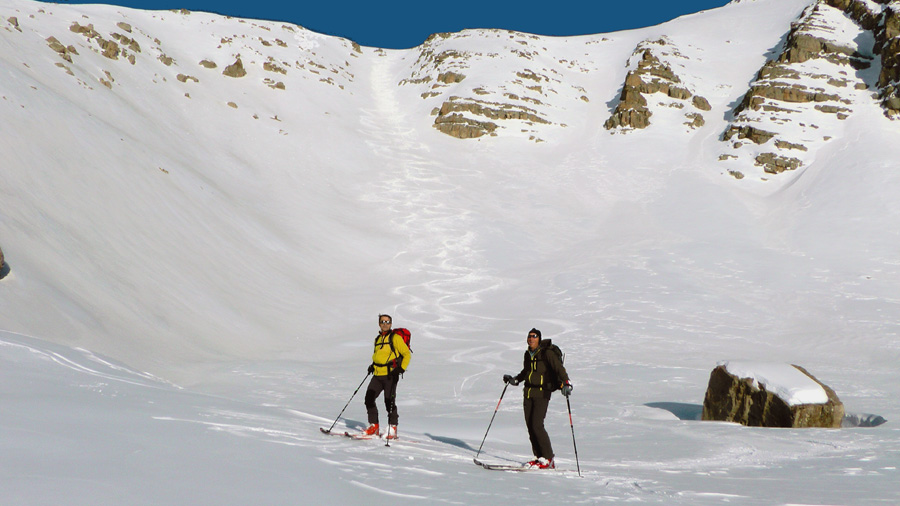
x=195 y=269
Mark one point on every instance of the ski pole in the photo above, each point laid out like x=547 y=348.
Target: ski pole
x=492 y=420
x=348 y=402
x=572 y=425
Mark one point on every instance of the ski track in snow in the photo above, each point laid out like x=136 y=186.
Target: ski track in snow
x=86 y=362
x=437 y=233
x=387 y=492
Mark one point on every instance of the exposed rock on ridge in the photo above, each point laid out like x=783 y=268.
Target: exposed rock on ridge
x=816 y=75
x=235 y=70
x=76 y=39
x=454 y=76
x=888 y=44
x=483 y=83
x=652 y=75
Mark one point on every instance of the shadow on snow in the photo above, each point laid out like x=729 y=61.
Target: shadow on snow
x=686 y=411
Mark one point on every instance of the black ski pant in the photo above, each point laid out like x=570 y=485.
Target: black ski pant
x=388 y=385
x=535 y=412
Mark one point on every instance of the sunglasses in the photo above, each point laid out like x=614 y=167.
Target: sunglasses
x=384 y=323
x=530 y=336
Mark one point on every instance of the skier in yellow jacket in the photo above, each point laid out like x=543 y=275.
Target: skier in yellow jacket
x=389 y=361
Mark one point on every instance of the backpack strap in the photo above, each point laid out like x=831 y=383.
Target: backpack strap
x=392 y=363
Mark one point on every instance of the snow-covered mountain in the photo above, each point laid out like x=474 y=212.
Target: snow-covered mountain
x=225 y=205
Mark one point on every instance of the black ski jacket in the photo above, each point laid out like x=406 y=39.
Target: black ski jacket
x=542 y=371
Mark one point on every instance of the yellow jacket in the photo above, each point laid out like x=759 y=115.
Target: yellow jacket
x=383 y=358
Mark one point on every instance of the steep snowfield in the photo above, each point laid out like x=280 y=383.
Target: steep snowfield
x=228 y=245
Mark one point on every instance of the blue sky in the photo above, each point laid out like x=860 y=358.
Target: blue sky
x=405 y=23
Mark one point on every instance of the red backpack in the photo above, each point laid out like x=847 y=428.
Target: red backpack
x=404 y=333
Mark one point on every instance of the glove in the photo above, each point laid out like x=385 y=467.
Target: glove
x=398 y=371
x=371 y=368
x=567 y=388
x=508 y=378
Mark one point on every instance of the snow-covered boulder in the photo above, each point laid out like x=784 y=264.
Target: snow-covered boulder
x=770 y=395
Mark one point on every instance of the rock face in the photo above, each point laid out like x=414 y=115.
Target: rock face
x=730 y=398
x=235 y=70
x=817 y=75
x=457 y=75
x=887 y=41
x=651 y=76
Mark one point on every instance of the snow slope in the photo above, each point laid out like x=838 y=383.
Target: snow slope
x=196 y=264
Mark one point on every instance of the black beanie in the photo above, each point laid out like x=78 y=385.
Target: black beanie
x=537 y=332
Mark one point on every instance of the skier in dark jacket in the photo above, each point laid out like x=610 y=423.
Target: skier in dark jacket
x=542 y=373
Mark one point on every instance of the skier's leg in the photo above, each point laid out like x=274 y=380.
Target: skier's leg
x=374 y=389
x=529 y=424
x=541 y=438
x=390 y=399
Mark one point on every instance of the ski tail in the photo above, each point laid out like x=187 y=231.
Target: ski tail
x=505 y=467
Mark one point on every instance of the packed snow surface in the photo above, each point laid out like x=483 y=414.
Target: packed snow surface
x=783 y=380
x=195 y=265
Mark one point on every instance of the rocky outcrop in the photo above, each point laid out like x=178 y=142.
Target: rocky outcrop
x=450 y=78
x=860 y=11
x=491 y=110
x=749 y=402
x=122 y=43
x=652 y=75
x=816 y=76
x=128 y=42
x=461 y=127
x=457 y=74
x=65 y=52
x=757 y=135
x=888 y=44
x=4 y=269
x=452 y=117
x=108 y=48
x=776 y=164
x=235 y=70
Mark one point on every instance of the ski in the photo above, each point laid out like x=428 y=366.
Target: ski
x=387 y=441
x=361 y=437
x=506 y=467
x=347 y=434
x=330 y=432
